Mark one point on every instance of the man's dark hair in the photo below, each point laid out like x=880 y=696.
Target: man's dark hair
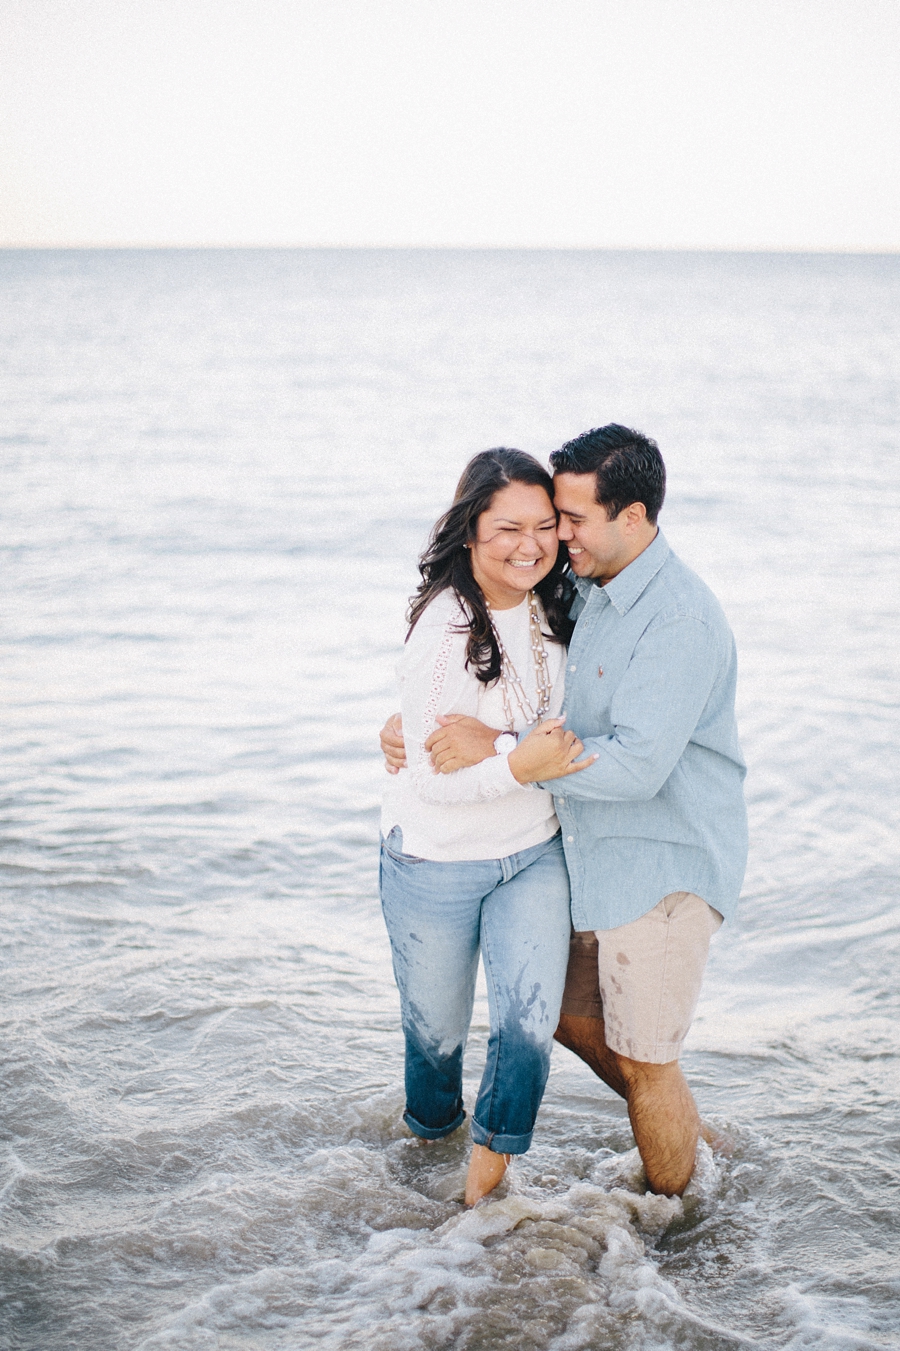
x=626 y=464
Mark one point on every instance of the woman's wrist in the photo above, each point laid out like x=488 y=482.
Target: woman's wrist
x=517 y=766
x=505 y=743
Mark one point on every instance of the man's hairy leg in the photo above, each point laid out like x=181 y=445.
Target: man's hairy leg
x=661 y=1110
x=586 y=1038
x=665 y=1122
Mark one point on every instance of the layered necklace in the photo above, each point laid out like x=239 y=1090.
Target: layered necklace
x=512 y=691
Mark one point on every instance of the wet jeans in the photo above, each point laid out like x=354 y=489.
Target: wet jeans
x=438 y=915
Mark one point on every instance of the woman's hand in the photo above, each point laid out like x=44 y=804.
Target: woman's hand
x=548 y=752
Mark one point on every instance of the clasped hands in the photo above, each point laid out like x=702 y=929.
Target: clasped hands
x=547 y=752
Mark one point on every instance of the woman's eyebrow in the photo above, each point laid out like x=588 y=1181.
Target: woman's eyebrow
x=508 y=520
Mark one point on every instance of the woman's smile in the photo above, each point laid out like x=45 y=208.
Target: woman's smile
x=521 y=516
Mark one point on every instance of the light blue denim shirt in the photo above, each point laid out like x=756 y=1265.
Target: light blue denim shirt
x=650 y=686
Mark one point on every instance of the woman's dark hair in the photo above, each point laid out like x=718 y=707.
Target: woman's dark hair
x=446 y=561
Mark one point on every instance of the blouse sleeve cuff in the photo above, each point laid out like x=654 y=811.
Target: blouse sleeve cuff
x=503 y=776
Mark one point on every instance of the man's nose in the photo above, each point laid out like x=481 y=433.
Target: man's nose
x=564 y=530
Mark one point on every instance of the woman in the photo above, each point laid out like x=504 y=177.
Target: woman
x=472 y=860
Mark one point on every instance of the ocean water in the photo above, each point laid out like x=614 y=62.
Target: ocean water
x=217 y=471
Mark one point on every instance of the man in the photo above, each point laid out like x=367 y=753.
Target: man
x=655 y=829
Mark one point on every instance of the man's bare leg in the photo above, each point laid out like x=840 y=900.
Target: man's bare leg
x=586 y=1037
x=665 y=1122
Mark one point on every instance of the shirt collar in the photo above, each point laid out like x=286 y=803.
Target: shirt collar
x=630 y=584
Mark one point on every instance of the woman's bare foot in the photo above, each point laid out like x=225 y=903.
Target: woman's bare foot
x=485 y=1170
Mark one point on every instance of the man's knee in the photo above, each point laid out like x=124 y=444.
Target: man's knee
x=574 y=1032
x=565 y=1032
x=643 y=1074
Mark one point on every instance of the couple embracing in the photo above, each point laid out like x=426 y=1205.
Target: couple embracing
x=569 y=801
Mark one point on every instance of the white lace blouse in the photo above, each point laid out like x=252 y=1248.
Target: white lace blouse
x=480 y=812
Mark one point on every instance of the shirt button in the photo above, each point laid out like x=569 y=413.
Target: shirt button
x=560 y=799
x=570 y=839
x=573 y=668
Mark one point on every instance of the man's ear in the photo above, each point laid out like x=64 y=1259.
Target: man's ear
x=635 y=516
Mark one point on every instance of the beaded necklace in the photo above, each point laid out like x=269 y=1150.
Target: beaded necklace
x=511 y=687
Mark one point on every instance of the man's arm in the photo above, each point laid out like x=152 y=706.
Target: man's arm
x=393 y=747
x=548 y=753
x=457 y=743
x=654 y=711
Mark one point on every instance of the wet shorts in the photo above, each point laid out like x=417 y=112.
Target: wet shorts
x=643 y=979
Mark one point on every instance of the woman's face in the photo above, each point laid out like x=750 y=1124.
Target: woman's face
x=515 y=544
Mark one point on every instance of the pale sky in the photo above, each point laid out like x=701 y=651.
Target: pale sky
x=569 y=123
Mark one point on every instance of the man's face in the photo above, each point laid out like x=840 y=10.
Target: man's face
x=598 y=547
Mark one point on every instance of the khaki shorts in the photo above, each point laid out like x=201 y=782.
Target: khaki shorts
x=643 y=979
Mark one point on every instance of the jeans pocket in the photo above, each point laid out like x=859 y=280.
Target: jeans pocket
x=393 y=847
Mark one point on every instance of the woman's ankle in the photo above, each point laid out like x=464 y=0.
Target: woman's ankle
x=486 y=1170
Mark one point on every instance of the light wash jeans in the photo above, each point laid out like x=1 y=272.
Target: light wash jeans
x=438 y=915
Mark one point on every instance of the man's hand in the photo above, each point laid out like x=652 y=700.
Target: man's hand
x=548 y=752
x=393 y=747
x=459 y=742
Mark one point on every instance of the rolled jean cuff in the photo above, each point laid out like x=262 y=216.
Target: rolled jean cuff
x=432 y=1132
x=501 y=1144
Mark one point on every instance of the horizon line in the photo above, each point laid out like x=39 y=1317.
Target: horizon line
x=134 y=246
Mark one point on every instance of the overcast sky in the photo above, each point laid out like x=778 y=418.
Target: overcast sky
x=587 y=123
